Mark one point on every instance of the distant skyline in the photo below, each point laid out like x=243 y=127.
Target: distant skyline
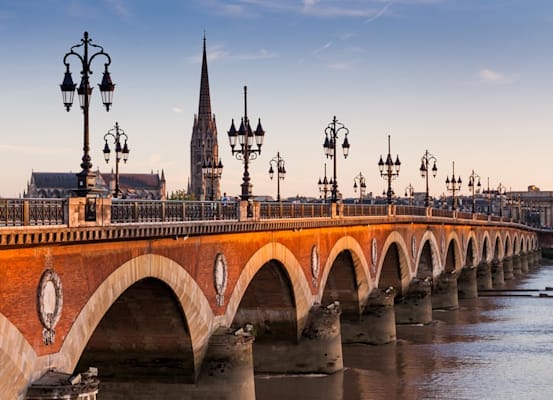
x=469 y=80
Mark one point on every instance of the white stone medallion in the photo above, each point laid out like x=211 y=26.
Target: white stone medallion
x=374 y=255
x=315 y=265
x=50 y=303
x=220 y=278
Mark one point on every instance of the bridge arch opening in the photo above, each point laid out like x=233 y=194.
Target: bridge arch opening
x=394 y=270
x=485 y=250
x=471 y=252
x=269 y=305
x=342 y=286
x=450 y=259
x=425 y=267
x=144 y=335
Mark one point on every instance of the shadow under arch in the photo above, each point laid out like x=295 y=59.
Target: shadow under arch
x=428 y=259
x=191 y=300
x=394 y=268
x=17 y=360
x=486 y=248
x=347 y=251
x=498 y=249
x=272 y=252
x=453 y=257
x=471 y=254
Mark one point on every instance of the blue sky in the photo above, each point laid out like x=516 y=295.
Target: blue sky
x=469 y=80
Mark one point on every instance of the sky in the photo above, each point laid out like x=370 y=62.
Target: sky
x=470 y=81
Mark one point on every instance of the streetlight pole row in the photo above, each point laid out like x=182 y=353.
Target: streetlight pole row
x=474 y=187
x=362 y=186
x=281 y=171
x=426 y=159
x=212 y=170
x=389 y=170
x=116 y=133
x=331 y=137
x=453 y=185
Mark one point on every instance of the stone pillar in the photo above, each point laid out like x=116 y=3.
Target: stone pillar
x=484 y=276
x=227 y=368
x=467 y=288
x=444 y=291
x=516 y=265
x=508 y=268
x=377 y=323
x=415 y=307
x=524 y=263
x=58 y=385
x=319 y=349
x=498 y=279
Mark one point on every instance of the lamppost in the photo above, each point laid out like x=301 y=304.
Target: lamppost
x=329 y=145
x=324 y=186
x=389 y=170
x=86 y=179
x=425 y=163
x=245 y=152
x=474 y=187
x=453 y=185
x=501 y=191
x=359 y=181
x=410 y=193
x=116 y=133
x=278 y=161
x=212 y=170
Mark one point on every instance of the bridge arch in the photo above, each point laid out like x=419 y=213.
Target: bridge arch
x=453 y=256
x=472 y=256
x=486 y=249
x=498 y=248
x=288 y=262
x=394 y=266
x=508 y=248
x=17 y=360
x=190 y=297
x=363 y=281
x=428 y=258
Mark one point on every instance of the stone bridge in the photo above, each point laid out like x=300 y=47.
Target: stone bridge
x=171 y=293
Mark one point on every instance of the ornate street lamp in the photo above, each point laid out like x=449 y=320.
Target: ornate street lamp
x=501 y=191
x=281 y=171
x=324 y=186
x=359 y=182
x=426 y=159
x=410 y=193
x=488 y=192
x=86 y=179
x=474 y=187
x=245 y=138
x=212 y=170
x=453 y=185
x=329 y=145
x=389 y=170
x=120 y=152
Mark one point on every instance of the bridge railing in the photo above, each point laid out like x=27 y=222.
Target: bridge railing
x=410 y=210
x=437 y=212
x=32 y=212
x=276 y=210
x=464 y=215
x=362 y=210
x=129 y=211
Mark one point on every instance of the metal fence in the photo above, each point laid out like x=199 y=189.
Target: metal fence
x=364 y=210
x=128 y=211
x=294 y=210
x=25 y=212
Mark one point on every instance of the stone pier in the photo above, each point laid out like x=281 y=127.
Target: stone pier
x=416 y=306
x=444 y=291
x=517 y=271
x=319 y=350
x=57 y=385
x=377 y=322
x=467 y=287
x=484 y=276
x=498 y=279
x=508 y=273
x=524 y=263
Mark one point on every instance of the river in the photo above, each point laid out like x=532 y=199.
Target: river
x=499 y=346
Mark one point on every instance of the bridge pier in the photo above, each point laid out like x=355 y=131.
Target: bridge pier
x=57 y=385
x=319 y=349
x=524 y=263
x=376 y=324
x=498 y=279
x=415 y=307
x=484 y=276
x=467 y=288
x=444 y=291
x=516 y=265
x=508 y=268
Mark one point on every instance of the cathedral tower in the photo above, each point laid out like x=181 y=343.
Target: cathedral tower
x=203 y=145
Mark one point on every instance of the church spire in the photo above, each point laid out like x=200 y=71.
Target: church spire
x=205 y=100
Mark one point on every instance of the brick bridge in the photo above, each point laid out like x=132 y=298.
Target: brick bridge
x=172 y=292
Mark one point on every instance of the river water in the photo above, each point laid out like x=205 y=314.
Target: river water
x=499 y=346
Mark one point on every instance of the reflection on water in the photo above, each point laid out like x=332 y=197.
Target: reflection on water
x=496 y=347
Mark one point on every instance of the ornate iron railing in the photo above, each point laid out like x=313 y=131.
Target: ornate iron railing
x=410 y=210
x=128 y=211
x=25 y=212
x=364 y=210
x=294 y=210
x=437 y=212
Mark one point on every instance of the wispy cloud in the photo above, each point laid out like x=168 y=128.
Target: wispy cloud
x=322 y=48
x=218 y=53
x=489 y=76
x=177 y=110
x=339 y=66
x=119 y=8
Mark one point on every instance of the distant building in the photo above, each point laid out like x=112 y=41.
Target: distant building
x=203 y=144
x=150 y=186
